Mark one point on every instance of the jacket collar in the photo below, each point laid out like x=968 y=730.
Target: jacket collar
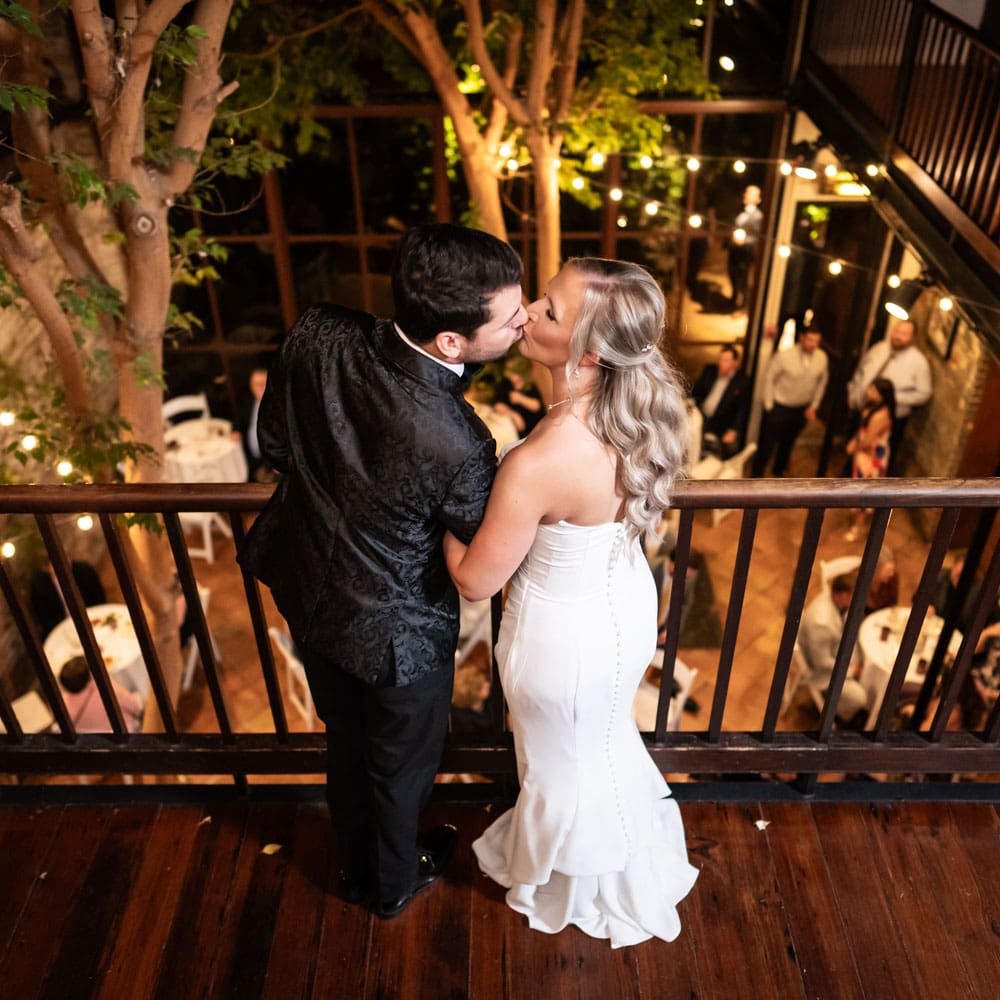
x=400 y=355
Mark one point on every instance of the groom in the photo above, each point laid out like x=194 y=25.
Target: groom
x=379 y=453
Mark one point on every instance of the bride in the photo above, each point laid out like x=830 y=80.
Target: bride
x=594 y=838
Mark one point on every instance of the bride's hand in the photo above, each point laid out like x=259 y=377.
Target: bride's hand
x=454 y=550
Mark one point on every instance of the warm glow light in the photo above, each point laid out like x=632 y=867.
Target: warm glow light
x=696 y=22
x=785 y=251
x=556 y=164
x=851 y=189
x=85 y=522
x=64 y=468
x=835 y=267
x=651 y=208
x=29 y=442
x=806 y=173
x=6 y=418
x=615 y=194
x=729 y=3
x=577 y=183
x=695 y=221
x=872 y=170
x=785 y=168
x=7 y=550
x=945 y=305
x=727 y=63
x=597 y=160
x=895 y=309
x=512 y=165
x=739 y=167
x=894 y=281
x=739 y=235
x=505 y=150
x=693 y=163
x=645 y=162
x=622 y=221
x=830 y=170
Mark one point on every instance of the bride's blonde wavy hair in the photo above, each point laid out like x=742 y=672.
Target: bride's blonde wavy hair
x=637 y=403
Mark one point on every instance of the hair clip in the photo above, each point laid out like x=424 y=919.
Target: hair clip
x=646 y=348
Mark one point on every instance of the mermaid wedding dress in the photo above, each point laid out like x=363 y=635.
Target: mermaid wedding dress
x=594 y=838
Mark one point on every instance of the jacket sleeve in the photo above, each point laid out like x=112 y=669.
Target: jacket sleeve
x=464 y=503
x=272 y=432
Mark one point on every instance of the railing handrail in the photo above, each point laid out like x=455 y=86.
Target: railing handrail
x=689 y=494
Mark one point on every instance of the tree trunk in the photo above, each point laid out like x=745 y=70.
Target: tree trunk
x=547 y=215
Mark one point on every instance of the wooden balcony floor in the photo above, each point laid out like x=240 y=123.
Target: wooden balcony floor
x=182 y=901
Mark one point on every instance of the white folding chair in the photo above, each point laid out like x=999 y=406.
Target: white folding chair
x=32 y=713
x=204 y=521
x=798 y=676
x=193 y=406
x=191 y=646
x=829 y=569
x=295 y=676
x=685 y=678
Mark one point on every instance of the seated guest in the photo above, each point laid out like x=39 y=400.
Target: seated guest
x=885 y=584
x=84 y=704
x=46 y=599
x=258 y=471
x=518 y=397
x=722 y=393
x=819 y=637
x=944 y=598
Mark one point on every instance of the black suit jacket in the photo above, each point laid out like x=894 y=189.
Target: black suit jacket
x=731 y=412
x=379 y=454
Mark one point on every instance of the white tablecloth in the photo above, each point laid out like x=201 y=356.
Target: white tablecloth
x=115 y=638
x=878 y=654
x=203 y=451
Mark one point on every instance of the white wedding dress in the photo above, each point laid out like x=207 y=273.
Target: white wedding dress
x=594 y=838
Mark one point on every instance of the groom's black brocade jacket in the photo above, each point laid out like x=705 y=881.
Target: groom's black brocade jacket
x=379 y=454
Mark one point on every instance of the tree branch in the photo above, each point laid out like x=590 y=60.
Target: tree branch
x=98 y=59
x=541 y=62
x=569 y=58
x=387 y=18
x=21 y=258
x=203 y=93
x=512 y=57
x=497 y=83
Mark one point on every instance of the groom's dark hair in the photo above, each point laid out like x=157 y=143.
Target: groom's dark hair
x=444 y=277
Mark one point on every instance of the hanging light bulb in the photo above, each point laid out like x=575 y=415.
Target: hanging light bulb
x=651 y=208
x=739 y=167
x=64 y=468
x=6 y=419
x=85 y=522
x=7 y=550
x=505 y=151
x=597 y=160
x=512 y=165
x=946 y=304
x=785 y=168
x=645 y=161
x=894 y=281
x=556 y=164
x=872 y=170
x=622 y=221
x=693 y=163
x=695 y=221
x=615 y=194
x=739 y=235
x=577 y=183
x=835 y=267
x=727 y=63
x=29 y=442
x=784 y=251
x=830 y=170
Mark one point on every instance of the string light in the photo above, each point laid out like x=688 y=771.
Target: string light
x=505 y=151
x=835 y=267
x=651 y=208
x=785 y=168
x=806 y=173
x=872 y=170
x=740 y=167
x=64 y=468
x=577 y=183
x=695 y=221
x=597 y=160
x=615 y=194
x=7 y=550
x=512 y=165
x=946 y=304
x=784 y=251
x=693 y=163
x=29 y=442
x=830 y=170
x=727 y=63
x=645 y=161
x=6 y=419
x=894 y=281
x=556 y=164
x=85 y=522
x=622 y=221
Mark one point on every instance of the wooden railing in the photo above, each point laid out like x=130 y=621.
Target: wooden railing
x=920 y=746
x=932 y=90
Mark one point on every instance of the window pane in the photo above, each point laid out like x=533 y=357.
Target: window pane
x=248 y=297
x=316 y=187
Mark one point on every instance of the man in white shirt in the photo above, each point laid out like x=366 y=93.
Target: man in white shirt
x=899 y=360
x=793 y=389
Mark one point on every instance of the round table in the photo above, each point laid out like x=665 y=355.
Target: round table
x=203 y=451
x=116 y=640
x=879 y=638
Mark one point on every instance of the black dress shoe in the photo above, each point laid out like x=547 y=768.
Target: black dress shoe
x=352 y=887
x=435 y=852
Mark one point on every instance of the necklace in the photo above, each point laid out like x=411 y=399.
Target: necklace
x=560 y=403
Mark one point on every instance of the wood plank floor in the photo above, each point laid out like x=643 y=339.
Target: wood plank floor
x=182 y=901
